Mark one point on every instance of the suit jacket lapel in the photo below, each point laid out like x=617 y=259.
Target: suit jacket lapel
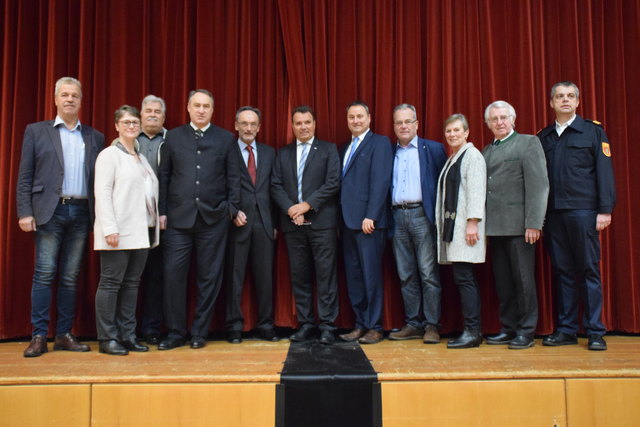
x=358 y=151
x=87 y=137
x=243 y=166
x=262 y=172
x=54 y=134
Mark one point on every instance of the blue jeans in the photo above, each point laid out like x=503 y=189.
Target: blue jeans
x=414 y=247
x=60 y=245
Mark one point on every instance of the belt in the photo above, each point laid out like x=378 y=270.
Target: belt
x=73 y=201
x=407 y=205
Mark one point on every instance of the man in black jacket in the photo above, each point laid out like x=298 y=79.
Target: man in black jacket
x=199 y=194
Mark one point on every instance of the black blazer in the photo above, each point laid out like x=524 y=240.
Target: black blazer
x=255 y=199
x=320 y=184
x=198 y=176
x=42 y=169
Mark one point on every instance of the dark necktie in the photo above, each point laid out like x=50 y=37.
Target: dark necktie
x=199 y=134
x=251 y=164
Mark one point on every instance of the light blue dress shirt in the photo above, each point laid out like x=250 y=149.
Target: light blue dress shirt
x=73 y=182
x=406 y=174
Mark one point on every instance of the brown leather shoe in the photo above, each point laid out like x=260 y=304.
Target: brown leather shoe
x=353 y=335
x=407 y=332
x=69 y=343
x=37 y=346
x=431 y=335
x=371 y=337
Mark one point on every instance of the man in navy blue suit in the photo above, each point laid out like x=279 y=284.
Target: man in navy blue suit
x=417 y=165
x=367 y=162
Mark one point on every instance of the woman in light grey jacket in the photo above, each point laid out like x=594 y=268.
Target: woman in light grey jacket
x=460 y=211
x=126 y=226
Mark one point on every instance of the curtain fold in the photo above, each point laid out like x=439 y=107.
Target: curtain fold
x=443 y=57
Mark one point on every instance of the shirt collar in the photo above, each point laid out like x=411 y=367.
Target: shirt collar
x=243 y=145
x=204 y=129
x=413 y=143
x=59 y=121
x=361 y=136
x=513 y=132
x=567 y=123
x=299 y=143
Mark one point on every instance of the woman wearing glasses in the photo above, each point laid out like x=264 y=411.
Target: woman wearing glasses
x=460 y=212
x=126 y=226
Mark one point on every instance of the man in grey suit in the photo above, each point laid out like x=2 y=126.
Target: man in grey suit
x=305 y=183
x=517 y=190
x=55 y=200
x=199 y=195
x=252 y=234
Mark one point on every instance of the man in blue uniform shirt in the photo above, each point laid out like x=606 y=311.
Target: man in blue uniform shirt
x=581 y=198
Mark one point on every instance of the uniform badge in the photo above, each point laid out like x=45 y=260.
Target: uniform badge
x=606 y=150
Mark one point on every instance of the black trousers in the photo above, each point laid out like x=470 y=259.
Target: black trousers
x=311 y=250
x=210 y=243
x=469 y=294
x=253 y=247
x=514 y=272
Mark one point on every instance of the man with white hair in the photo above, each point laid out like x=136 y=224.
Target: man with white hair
x=517 y=190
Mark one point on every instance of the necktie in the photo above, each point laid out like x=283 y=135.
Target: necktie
x=496 y=142
x=251 y=164
x=354 y=145
x=303 y=159
x=199 y=134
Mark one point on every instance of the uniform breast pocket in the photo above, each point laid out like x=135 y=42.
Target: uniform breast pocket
x=580 y=153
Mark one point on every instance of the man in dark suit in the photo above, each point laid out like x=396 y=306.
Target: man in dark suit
x=416 y=168
x=199 y=194
x=55 y=199
x=305 y=183
x=252 y=234
x=367 y=163
x=150 y=141
x=581 y=200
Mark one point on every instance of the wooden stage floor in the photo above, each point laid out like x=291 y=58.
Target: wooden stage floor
x=129 y=390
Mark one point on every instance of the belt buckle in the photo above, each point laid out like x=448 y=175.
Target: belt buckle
x=65 y=200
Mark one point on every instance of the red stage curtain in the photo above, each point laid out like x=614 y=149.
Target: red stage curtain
x=443 y=57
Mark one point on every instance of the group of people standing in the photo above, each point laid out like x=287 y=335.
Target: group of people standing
x=224 y=197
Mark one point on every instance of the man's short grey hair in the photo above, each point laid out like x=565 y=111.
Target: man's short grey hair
x=67 y=81
x=565 y=84
x=206 y=92
x=249 y=108
x=454 y=118
x=500 y=104
x=152 y=98
x=406 y=107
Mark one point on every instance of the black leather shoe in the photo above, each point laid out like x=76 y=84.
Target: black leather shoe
x=597 y=343
x=468 y=339
x=170 y=342
x=152 y=339
x=268 y=334
x=327 y=337
x=521 y=342
x=132 y=345
x=501 y=338
x=113 y=348
x=302 y=335
x=559 y=338
x=235 y=337
x=198 y=342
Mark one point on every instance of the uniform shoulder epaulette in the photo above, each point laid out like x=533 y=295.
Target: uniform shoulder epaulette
x=595 y=122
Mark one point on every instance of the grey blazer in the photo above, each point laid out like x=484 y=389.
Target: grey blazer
x=517 y=186
x=42 y=169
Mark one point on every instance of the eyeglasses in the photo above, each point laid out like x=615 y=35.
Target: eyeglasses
x=404 y=122
x=130 y=123
x=496 y=120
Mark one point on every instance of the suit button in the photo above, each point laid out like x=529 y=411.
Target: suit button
x=197 y=199
x=197 y=182
x=199 y=152
x=197 y=166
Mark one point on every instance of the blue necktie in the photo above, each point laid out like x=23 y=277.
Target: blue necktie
x=354 y=145
x=303 y=159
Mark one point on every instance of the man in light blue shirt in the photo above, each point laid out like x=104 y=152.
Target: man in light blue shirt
x=416 y=167
x=55 y=200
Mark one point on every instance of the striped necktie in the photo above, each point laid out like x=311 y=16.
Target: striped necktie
x=303 y=159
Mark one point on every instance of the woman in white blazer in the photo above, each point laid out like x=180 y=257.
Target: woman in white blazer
x=126 y=226
x=460 y=211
